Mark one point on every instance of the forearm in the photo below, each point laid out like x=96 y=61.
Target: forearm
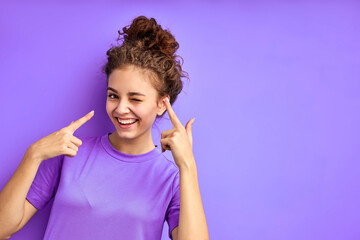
x=192 y=221
x=13 y=195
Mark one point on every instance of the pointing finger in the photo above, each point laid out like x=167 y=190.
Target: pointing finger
x=78 y=123
x=188 y=129
x=174 y=119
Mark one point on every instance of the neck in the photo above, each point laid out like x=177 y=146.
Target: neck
x=131 y=146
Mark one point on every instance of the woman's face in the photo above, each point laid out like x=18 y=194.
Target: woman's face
x=131 y=96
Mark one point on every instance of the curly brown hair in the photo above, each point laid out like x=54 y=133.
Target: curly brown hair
x=146 y=45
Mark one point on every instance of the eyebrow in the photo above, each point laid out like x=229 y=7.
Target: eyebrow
x=130 y=93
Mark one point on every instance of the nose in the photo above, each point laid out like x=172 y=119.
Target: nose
x=123 y=108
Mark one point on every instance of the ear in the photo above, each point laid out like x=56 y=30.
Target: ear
x=161 y=105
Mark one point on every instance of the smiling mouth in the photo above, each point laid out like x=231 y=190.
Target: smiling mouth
x=124 y=124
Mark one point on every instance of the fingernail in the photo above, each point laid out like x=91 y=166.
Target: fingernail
x=91 y=112
x=167 y=99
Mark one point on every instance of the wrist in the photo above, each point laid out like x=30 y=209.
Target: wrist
x=188 y=166
x=31 y=154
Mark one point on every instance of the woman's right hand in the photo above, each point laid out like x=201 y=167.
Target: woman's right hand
x=59 y=142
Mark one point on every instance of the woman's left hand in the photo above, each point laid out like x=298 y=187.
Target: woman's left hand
x=178 y=140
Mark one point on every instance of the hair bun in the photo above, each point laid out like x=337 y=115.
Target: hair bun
x=146 y=34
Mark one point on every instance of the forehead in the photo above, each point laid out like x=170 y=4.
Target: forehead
x=130 y=79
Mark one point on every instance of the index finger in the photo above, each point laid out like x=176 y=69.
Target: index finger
x=78 y=123
x=174 y=119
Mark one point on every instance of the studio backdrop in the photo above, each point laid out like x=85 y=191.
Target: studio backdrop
x=274 y=87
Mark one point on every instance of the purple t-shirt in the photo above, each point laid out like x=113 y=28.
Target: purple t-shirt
x=102 y=193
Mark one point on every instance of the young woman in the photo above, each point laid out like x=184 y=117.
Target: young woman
x=119 y=185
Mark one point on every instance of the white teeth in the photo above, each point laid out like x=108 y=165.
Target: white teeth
x=126 y=121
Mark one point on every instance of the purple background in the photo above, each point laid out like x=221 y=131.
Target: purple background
x=274 y=87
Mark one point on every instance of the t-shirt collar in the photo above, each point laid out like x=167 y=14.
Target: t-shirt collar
x=153 y=154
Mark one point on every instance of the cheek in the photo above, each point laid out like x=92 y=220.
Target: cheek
x=145 y=112
x=141 y=111
x=109 y=107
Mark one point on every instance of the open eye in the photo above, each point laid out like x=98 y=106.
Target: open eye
x=111 y=95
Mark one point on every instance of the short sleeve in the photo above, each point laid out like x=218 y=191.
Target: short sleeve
x=46 y=182
x=173 y=210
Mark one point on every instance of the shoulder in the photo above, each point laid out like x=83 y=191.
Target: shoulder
x=172 y=172
x=89 y=140
x=88 y=144
x=171 y=165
